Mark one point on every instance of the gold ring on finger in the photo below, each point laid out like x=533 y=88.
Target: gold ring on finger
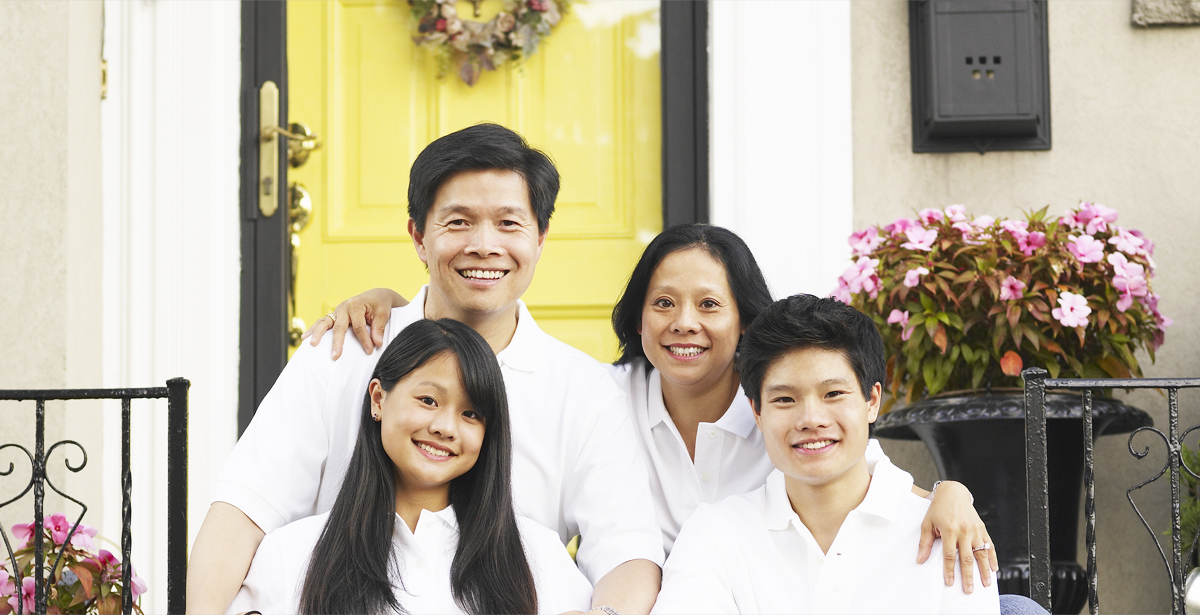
x=332 y=319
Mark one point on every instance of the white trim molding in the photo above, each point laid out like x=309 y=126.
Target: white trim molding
x=782 y=172
x=170 y=130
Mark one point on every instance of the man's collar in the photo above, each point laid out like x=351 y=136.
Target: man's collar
x=521 y=352
x=888 y=486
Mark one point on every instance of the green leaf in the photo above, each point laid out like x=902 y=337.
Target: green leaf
x=967 y=353
x=927 y=303
x=977 y=373
x=956 y=321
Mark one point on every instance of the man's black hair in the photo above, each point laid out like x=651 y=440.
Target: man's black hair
x=805 y=321
x=481 y=147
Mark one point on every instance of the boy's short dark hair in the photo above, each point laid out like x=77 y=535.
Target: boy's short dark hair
x=805 y=321
x=479 y=148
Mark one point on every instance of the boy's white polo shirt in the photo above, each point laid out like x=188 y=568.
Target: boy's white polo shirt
x=276 y=577
x=730 y=458
x=577 y=465
x=752 y=554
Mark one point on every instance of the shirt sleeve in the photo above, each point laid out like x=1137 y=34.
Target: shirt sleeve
x=270 y=585
x=607 y=496
x=695 y=579
x=561 y=587
x=274 y=472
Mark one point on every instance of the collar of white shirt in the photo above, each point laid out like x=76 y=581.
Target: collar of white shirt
x=521 y=352
x=888 y=485
x=738 y=419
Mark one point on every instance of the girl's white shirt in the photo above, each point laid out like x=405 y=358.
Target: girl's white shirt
x=731 y=458
x=276 y=575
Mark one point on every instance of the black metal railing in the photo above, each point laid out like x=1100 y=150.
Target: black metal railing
x=175 y=393
x=1036 y=384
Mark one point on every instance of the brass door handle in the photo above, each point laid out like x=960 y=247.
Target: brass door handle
x=301 y=142
x=299 y=215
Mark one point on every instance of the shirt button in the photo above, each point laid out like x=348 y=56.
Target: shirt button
x=704 y=477
x=712 y=433
x=420 y=564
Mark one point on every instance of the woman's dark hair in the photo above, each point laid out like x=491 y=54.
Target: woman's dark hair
x=805 y=321
x=479 y=148
x=353 y=566
x=745 y=279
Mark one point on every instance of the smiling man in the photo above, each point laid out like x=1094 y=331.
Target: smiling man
x=480 y=202
x=813 y=370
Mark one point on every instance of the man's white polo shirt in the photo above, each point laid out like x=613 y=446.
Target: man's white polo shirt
x=752 y=554
x=276 y=576
x=730 y=459
x=577 y=465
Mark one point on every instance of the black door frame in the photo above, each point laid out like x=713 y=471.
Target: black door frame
x=265 y=247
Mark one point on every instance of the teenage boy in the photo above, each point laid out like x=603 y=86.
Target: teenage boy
x=480 y=201
x=813 y=370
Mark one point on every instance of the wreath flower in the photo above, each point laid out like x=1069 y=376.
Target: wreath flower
x=474 y=46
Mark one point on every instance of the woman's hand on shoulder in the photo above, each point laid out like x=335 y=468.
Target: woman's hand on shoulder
x=366 y=313
x=952 y=517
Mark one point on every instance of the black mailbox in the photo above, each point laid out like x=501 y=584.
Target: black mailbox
x=980 y=75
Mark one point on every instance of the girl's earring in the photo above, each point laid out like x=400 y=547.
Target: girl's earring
x=376 y=417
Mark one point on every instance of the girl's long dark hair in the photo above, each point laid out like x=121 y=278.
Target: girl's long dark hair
x=745 y=279
x=353 y=566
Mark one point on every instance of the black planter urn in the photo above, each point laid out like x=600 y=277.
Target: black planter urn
x=979 y=441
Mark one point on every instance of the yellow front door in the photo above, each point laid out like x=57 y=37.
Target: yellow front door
x=589 y=97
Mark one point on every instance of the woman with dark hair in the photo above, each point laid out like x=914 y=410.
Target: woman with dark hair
x=678 y=323
x=424 y=521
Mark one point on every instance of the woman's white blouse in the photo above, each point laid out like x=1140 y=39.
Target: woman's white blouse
x=277 y=573
x=731 y=458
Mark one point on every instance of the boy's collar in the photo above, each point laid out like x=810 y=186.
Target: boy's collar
x=888 y=486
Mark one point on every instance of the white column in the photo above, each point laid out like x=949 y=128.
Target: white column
x=782 y=175
x=170 y=130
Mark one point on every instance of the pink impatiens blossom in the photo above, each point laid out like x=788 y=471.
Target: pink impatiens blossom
x=1015 y=227
x=956 y=213
x=1031 y=242
x=842 y=292
x=1011 y=288
x=967 y=230
x=59 y=527
x=930 y=216
x=913 y=276
x=1147 y=245
x=1129 y=278
x=1073 y=310
x=28 y=587
x=82 y=539
x=901 y=318
x=861 y=276
x=920 y=238
x=7 y=585
x=1097 y=217
x=865 y=241
x=1086 y=248
x=983 y=221
x=1126 y=242
x=902 y=226
x=22 y=532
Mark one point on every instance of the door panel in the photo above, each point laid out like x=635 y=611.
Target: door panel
x=590 y=97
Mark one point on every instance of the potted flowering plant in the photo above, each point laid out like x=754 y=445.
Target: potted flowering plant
x=964 y=303
x=968 y=301
x=80 y=577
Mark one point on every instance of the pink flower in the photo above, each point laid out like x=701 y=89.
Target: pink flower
x=1129 y=278
x=138 y=585
x=1126 y=242
x=27 y=592
x=7 y=586
x=59 y=527
x=22 y=532
x=901 y=226
x=930 y=216
x=1096 y=217
x=1072 y=311
x=901 y=318
x=956 y=213
x=1011 y=288
x=539 y=5
x=913 y=276
x=1016 y=228
x=865 y=241
x=983 y=221
x=83 y=538
x=1031 y=242
x=861 y=277
x=967 y=230
x=842 y=292
x=1086 y=248
x=1147 y=245
x=920 y=238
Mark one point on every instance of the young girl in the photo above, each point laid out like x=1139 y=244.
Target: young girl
x=691 y=295
x=424 y=521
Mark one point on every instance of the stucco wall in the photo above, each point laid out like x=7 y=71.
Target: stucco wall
x=1125 y=134
x=50 y=235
